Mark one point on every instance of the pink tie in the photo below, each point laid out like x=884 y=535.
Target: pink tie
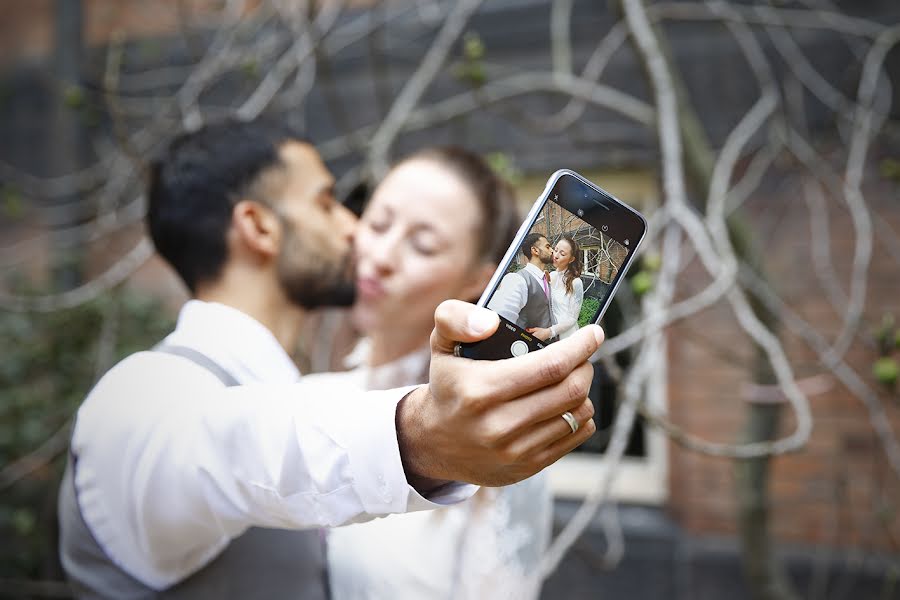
x=546 y=283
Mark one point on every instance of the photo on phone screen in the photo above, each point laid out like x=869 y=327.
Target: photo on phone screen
x=562 y=269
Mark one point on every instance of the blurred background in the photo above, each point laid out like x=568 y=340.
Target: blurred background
x=747 y=396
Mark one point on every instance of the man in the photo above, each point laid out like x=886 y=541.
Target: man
x=523 y=297
x=179 y=454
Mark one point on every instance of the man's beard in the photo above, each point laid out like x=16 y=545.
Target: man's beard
x=315 y=290
x=322 y=286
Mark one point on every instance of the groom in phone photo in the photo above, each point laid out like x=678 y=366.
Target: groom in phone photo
x=523 y=297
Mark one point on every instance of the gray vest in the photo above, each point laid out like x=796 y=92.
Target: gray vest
x=260 y=563
x=536 y=312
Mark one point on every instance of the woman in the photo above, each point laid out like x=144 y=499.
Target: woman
x=435 y=228
x=566 y=290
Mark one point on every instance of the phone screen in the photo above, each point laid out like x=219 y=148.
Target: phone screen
x=568 y=263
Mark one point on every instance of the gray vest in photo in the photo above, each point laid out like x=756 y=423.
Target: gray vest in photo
x=260 y=563
x=536 y=312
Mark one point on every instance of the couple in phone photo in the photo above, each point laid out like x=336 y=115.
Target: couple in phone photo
x=544 y=303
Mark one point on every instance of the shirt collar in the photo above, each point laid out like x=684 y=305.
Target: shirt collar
x=536 y=272
x=235 y=341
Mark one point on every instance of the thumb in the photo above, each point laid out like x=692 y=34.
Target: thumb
x=457 y=321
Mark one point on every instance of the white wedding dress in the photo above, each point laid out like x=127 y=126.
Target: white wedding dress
x=566 y=307
x=488 y=547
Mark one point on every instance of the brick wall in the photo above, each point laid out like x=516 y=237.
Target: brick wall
x=839 y=490
x=26 y=30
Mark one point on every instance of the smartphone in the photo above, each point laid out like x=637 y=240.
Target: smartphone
x=573 y=221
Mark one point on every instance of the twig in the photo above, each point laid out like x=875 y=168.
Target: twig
x=843 y=371
x=498 y=91
x=112 y=277
x=417 y=84
x=765 y=15
x=863 y=130
x=669 y=132
x=821 y=252
x=560 y=36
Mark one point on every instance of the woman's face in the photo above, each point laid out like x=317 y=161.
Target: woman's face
x=416 y=247
x=562 y=255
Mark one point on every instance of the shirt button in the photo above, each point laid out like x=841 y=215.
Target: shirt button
x=383 y=489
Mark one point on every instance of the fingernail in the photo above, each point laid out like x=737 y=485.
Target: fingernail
x=480 y=320
x=598 y=334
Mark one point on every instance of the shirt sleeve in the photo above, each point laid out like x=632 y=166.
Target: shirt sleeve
x=571 y=308
x=510 y=297
x=170 y=468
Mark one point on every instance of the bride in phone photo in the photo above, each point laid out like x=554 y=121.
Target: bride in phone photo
x=566 y=287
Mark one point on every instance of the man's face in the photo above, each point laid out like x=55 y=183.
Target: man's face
x=314 y=265
x=544 y=251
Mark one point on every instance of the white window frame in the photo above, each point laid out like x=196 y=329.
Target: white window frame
x=585 y=260
x=638 y=480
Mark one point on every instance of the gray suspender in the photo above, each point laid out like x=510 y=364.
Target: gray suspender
x=199 y=359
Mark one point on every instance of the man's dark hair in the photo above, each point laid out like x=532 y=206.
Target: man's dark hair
x=530 y=240
x=195 y=184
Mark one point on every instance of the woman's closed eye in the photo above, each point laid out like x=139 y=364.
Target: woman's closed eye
x=425 y=243
x=379 y=224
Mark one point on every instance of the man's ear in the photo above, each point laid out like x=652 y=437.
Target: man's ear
x=478 y=279
x=257 y=227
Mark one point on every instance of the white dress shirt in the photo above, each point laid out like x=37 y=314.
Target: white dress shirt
x=566 y=306
x=512 y=293
x=171 y=464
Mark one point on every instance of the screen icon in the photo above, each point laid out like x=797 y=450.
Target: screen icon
x=626 y=242
x=604 y=227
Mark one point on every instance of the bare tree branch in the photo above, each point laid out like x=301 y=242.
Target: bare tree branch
x=416 y=85
x=112 y=277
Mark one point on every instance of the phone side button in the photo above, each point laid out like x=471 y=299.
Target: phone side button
x=518 y=348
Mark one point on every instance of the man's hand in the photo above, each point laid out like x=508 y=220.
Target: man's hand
x=541 y=333
x=494 y=422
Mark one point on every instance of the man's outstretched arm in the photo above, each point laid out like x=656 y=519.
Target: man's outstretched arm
x=171 y=465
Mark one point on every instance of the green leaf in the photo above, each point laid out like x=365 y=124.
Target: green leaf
x=473 y=47
x=504 y=166
x=250 y=68
x=74 y=97
x=886 y=370
x=13 y=203
x=885 y=335
x=651 y=261
x=641 y=283
x=890 y=169
x=23 y=521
